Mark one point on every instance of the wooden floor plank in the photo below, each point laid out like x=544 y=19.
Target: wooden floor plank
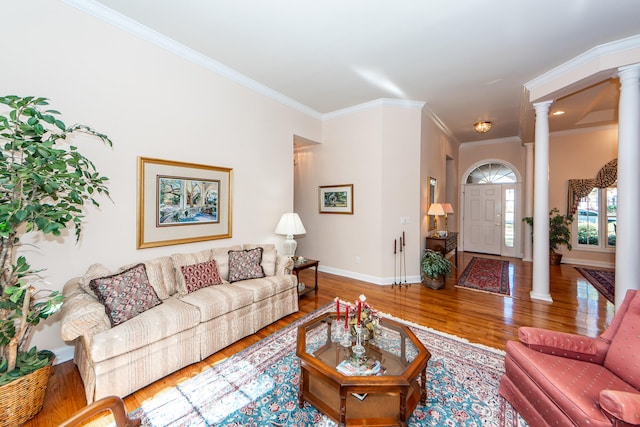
x=479 y=317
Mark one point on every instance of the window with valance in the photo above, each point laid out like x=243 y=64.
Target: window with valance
x=580 y=188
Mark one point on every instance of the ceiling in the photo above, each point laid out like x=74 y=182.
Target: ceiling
x=467 y=59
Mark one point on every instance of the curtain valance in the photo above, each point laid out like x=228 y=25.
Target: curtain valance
x=580 y=188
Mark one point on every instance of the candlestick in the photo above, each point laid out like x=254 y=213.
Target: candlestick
x=337 y=309
x=346 y=317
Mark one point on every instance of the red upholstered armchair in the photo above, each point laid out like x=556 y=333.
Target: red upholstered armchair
x=559 y=379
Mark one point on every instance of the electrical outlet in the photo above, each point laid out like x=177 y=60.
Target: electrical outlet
x=404 y=220
x=357 y=260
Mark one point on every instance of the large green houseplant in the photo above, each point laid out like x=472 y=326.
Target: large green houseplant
x=44 y=184
x=559 y=233
x=434 y=269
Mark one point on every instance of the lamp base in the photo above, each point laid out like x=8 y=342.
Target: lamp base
x=289 y=246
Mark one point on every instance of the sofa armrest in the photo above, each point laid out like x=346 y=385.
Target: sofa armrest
x=621 y=405
x=284 y=265
x=81 y=313
x=563 y=344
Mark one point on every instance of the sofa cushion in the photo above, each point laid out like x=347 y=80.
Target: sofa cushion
x=162 y=321
x=126 y=294
x=245 y=264
x=93 y=272
x=573 y=384
x=215 y=301
x=221 y=255
x=200 y=275
x=623 y=357
x=180 y=260
x=266 y=287
x=269 y=254
x=161 y=276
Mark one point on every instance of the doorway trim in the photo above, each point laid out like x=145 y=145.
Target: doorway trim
x=519 y=199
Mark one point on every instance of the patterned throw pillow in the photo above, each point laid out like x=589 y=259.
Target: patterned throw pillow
x=245 y=265
x=201 y=275
x=126 y=294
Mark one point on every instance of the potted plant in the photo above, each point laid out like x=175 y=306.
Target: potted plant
x=44 y=184
x=559 y=233
x=434 y=269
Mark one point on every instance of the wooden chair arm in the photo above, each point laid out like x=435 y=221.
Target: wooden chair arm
x=110 y=403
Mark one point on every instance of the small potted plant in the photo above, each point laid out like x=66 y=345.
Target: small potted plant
x=44 y=184
x=559 y=233
x=434 y=269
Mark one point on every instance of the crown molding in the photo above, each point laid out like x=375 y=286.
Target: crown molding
x=124 y=23
x=376 y=103
x=588 y=63
x=506 y=140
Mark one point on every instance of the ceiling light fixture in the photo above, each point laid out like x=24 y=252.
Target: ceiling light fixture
x=557 y=113
x=482 y=127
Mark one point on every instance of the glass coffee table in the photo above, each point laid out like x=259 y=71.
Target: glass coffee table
x=380 y=388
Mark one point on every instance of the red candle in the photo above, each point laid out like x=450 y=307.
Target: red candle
x=404 y=241
x=359 y=310
x=394 y=246
x=401 y=244
x=346 y=317
x=337 y=309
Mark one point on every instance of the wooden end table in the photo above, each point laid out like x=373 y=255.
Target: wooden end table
x=302 y=265
x=390 y=396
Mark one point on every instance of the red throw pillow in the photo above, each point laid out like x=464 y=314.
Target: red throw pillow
x=201 y=275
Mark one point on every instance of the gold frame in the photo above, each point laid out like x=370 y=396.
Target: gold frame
x=325 y=208
x=150 y=234
x=431 y=198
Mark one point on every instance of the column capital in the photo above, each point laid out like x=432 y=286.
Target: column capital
x=542 y=107
x=529 y=145
x=629 y=73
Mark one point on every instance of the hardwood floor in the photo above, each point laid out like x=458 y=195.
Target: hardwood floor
x=479 y=317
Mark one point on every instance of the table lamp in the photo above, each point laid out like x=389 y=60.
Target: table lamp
x=437 y=210
x=290 y=225
x=448 y=209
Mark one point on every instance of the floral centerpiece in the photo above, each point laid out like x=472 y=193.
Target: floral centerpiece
x=362 y=313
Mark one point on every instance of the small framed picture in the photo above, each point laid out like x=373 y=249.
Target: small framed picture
x=336 y=199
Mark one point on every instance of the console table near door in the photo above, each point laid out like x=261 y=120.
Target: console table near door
x=445 y=244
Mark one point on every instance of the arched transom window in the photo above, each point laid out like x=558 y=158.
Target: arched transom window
x=491 y=173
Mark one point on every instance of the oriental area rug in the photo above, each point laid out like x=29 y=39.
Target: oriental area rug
x=259 y=387
x=603 y=280
x=486 y=275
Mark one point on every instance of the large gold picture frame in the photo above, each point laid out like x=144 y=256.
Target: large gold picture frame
x=182 y=202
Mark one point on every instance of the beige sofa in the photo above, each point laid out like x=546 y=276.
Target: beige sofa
x=183 y=328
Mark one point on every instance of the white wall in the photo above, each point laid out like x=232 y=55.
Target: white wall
x=152 y=103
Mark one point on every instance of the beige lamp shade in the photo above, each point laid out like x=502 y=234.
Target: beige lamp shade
x=447 y=208
x=436 y=209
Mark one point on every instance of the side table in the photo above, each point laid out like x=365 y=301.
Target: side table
x=444 y=244
x=302 y=265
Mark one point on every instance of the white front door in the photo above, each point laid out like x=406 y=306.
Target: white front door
x=483 y=218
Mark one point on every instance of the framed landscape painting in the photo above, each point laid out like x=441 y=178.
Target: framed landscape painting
x=182 y=202
x=336 y=199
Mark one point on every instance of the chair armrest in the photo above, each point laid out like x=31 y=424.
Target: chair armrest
x=563 y=344
x=109 y=403
x=284 y=265
x=621 y=405
x=81 y=313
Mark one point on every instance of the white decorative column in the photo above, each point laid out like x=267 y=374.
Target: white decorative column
x=528 y=200
x=628 y=227
x=540 y=285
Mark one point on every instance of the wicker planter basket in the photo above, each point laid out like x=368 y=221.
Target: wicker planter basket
x=22 y=399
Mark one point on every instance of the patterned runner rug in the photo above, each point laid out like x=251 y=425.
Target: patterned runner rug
x=603 y=280
x=486 y=275
x=259 y=386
